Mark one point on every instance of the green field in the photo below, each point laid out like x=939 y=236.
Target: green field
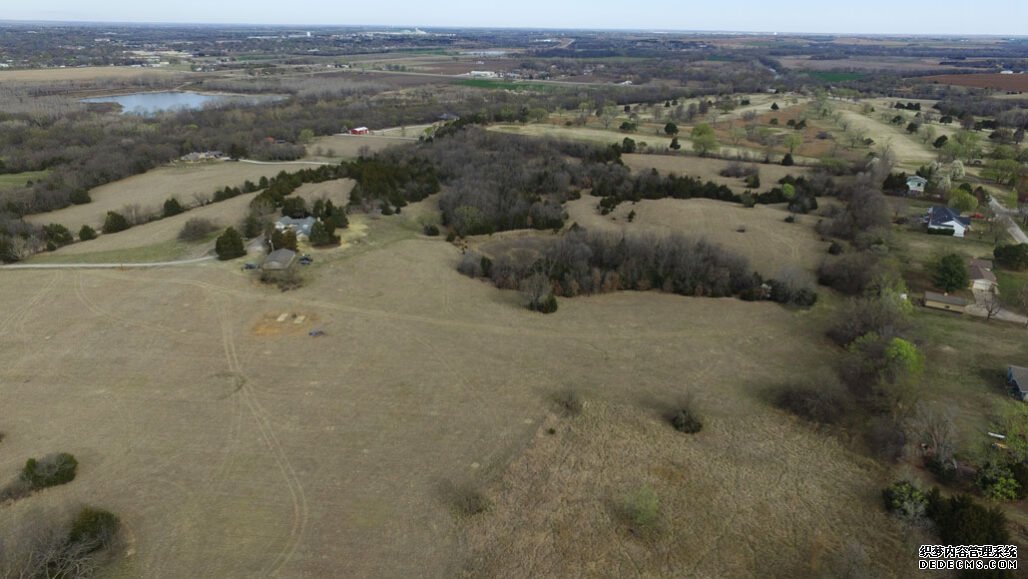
x=834 y=76
x=12 y=180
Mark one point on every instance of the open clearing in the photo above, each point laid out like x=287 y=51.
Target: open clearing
x=769 y=243
x=152 y=188
x=710 y=169
x=337 y=147
x=13 y=180
x=726 y=508
x=1004 y=82
x=910 y=153
x=231 y=449
x=84 y=73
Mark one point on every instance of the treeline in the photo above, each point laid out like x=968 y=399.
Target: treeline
x=615 y=184
x=582 y=263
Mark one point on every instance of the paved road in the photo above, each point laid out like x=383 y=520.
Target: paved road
x=1003 y=214
x=108 y=265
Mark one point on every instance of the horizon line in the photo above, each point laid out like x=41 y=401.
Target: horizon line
x=46 y=22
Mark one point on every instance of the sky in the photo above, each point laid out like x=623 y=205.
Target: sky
x=960 y=17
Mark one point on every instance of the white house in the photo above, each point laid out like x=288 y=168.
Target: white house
x=302 y=227
x=916 y=184
x=940 y=218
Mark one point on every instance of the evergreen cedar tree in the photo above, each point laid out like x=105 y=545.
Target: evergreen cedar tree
x=951 y=273
x=229 y=245
x=115 y=222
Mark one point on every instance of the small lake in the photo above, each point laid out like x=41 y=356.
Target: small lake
x=148 y=103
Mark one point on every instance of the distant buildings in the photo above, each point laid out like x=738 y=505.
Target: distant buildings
x=916 y=185
x=279 y=260
x=360 y=131
x=301 y=227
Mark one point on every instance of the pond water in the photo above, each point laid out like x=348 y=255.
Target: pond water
x=148 y=103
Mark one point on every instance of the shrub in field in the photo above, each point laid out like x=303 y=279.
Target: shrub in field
x=642 y=509
x=172 y=207
x=51 y=470
x=961 y=521
x=684 y=417
x=87 y=233
x=229 y=245
x=115 y=222
x=469 y=500
x=93 y=529
x=430 y=230
x=822 y=403
x=570 y=402
x=196 y=229
x=906 y=501
x=998 y=482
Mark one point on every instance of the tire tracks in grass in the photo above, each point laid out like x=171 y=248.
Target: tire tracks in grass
x=301 y=511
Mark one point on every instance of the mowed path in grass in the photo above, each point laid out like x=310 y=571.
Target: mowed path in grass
x=232 y=445
x=152 y=188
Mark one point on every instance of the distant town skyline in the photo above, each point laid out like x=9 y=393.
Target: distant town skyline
x=990 y=17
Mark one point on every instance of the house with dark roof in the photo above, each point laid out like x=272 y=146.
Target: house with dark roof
x=944 y=302
x=1017 y=379
x=941 y=218
x=279 y=260
x=301 y=227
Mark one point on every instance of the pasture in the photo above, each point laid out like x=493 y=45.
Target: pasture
x=151 y=189
x=231 y=449
x=771 y=245
x=334 y=148
x=710 y=169
x=15 y=180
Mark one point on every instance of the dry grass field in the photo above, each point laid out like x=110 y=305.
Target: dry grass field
x=770 y=244
x=337 y=147
x=85 y=73
x=152 y=188
x=1004 y=82
x=234 y=445
x=910 y=152
x=729 y=506
x=710 y=169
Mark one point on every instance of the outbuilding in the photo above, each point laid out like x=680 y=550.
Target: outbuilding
x=360 y=131
x=1017 y=379
x=279 y=260
x=944 y=302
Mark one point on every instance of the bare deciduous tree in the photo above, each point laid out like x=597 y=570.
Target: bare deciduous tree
x=937 y=433
x=992 y=303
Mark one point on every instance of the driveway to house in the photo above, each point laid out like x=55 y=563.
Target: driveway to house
x=1004 y=216
x=980 y=310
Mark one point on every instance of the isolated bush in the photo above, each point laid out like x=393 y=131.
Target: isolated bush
x=468 y=500
x=538 y=292
x=430 y=230
x=822 y=403
x=787 y=160
x=86 y=233
x=684 y=417
x=569 y=402
x=471 y=265
x=229 y=245
x=196 y=229
x=172 y=207
x=93 y=529
x=906 y=501
x=115 y=222
x=51 y=470
x=790 y=219
x=997 y=482
x=642 y=509
x=835 y=248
